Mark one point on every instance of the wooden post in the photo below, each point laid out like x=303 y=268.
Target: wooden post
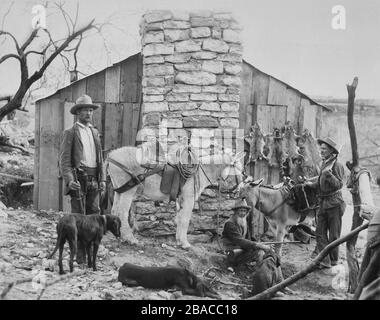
x=350 y=118
x=353 y=265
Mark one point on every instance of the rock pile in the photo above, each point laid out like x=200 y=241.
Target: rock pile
x=153 y=221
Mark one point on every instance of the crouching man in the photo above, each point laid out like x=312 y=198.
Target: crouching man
x=235 y=238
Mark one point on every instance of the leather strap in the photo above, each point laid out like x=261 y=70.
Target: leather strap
x=137 y=179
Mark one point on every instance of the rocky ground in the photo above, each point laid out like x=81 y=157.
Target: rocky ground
x=26 y=238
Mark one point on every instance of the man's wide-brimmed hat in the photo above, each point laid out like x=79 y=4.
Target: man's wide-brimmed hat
x=83 y=101
x=241 y=204
x=330 y=142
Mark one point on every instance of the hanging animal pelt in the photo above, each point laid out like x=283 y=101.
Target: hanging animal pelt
x=308 y=148
x=274 y=145
x=256 y=142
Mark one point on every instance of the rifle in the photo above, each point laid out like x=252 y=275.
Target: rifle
x=79 y=193
x=237 y=251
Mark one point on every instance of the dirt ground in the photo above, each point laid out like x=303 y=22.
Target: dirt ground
x=27 y=236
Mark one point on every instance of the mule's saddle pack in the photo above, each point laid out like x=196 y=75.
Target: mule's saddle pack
x=175 y=170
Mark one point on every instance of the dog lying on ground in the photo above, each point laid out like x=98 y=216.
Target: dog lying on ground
x=88 y=230
x=165 y=278
x=267 y=273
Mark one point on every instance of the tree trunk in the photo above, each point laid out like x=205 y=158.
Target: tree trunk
x=353 y=264
x=14 y=103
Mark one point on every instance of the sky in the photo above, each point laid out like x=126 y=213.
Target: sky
x=291 y=40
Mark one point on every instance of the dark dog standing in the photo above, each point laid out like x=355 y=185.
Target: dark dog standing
x=267 y=273
x=165 y=278
x=88 y=230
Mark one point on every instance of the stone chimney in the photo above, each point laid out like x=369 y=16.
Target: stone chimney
x=191 y=75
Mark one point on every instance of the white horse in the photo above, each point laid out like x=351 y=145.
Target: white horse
x=224 y=170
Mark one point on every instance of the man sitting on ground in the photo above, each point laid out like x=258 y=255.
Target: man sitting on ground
x=236 y=240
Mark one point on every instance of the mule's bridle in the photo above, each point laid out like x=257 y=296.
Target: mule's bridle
x=217 y=185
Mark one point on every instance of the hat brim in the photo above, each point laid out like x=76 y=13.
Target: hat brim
x=320 y=141
x=75 y=108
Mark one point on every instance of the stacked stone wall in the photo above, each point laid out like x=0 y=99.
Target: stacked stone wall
x=191 y=70
x=191 y=86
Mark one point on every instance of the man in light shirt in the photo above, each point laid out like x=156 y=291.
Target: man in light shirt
x=81 y=161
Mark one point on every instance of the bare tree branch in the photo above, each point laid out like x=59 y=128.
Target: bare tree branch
x=8 y=56
x=39 y=73
x=49 y=53
x=36 y=52
x=76 y=52
x=5 y=33
x=29 y=40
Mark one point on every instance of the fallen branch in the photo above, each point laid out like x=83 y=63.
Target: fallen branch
x=280 y=242
x=14 y=177
x=30 y=279
x=64 y=277
x=15 y=147
x=12 y=284
x=310 y=268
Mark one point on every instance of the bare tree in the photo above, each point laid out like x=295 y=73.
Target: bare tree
x=48 y=52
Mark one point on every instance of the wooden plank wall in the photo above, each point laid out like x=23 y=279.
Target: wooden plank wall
x=293 y=101
x=96 y=87
x=78 y=89
x=129 y=86
x=301 y=115
x=278 y=116
x=113 y=126
x=310 y=118
x=276 y=92
x=112 y=89
x=117 y=90
x=36 y=175
x=50 y=119
x=68 y=120
x=246 y=98
x=260 y=87
x=318 y=127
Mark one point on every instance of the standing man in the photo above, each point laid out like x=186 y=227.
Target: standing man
x=235 y=236
x=331 y=205
x=81 y=161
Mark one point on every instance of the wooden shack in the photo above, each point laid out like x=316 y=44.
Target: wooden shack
x=118 y=91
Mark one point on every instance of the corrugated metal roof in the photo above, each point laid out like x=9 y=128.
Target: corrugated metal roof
x=121 y=61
